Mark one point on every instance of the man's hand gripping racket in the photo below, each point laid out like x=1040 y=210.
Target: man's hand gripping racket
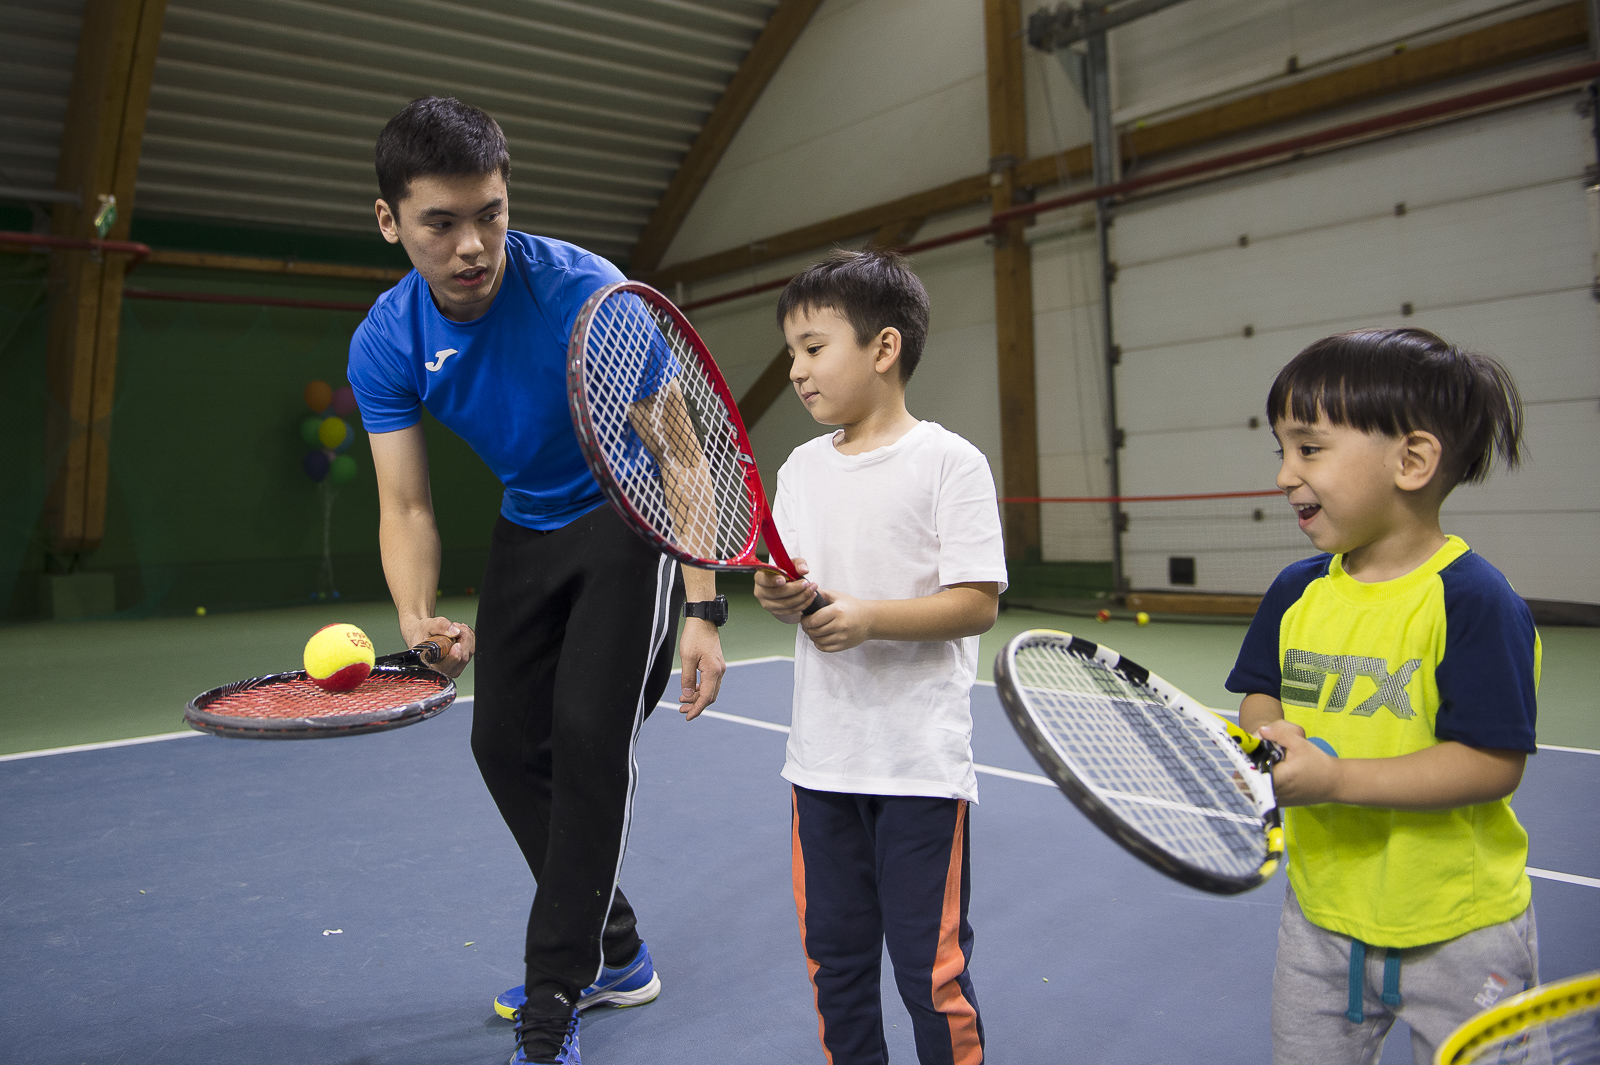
x=662 y=435
x=1182 y=789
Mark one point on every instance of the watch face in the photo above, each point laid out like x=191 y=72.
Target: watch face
x=714 y=610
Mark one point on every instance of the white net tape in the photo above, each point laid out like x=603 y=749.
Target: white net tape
x=1165 y=775
x=664 y=431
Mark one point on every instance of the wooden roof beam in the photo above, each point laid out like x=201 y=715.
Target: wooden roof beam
x=1013 y=281
x=99 y=157
x=763 y=60
x=1543 y=33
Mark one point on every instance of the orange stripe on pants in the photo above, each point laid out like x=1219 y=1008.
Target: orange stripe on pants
x=797 y=860
x=965 y=1046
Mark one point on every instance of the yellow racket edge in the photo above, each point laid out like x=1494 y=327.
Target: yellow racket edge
x=1537 y=1006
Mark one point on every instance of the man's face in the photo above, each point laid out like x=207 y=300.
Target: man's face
x=454 y=230
x=833 y=373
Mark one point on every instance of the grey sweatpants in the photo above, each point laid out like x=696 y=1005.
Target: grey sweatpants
x=1440 y=985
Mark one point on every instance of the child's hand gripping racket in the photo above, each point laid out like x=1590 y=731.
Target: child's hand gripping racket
x=662 y=434
x=401 y=690
x=1182 y=789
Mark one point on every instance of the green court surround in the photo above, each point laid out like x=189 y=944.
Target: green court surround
x=92 y=681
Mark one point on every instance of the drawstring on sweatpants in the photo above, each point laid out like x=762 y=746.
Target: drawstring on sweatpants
x=1356 y=1013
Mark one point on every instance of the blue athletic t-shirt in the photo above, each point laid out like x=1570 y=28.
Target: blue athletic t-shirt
x=499 y=381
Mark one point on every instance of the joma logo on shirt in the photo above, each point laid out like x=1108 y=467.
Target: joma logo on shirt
x=438 y=359
x=1305 y=671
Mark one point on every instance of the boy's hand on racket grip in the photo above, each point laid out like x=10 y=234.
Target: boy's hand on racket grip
x=455 y=641
x=1307 y=775
x=840 y=623
x=784 y=599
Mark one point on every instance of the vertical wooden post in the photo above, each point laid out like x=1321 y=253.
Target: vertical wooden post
x=1013 y=279
x=99 y=157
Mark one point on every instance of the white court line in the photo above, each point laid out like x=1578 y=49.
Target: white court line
x=134 y=741
x=1565 y=878
x=737 y=720
x=99 y=746
x=992 y=770
x=1034 y=778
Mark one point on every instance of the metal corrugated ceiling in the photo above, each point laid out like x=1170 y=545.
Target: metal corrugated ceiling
x=39 y=40
x=267 y=110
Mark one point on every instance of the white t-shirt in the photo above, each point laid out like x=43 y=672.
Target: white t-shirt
x=888 y=717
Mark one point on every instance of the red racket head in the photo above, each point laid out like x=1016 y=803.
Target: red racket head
x=662 y=434
x=400 y=691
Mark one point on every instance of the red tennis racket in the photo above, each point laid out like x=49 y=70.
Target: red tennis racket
x=401 y=690
x=662 y=434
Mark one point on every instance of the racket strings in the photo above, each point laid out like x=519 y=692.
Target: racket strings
x=664 y=432
x=1167 y=776
x=1570 y=1040
x=294 y=696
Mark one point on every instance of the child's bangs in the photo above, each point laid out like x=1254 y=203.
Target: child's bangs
x=1349 y=388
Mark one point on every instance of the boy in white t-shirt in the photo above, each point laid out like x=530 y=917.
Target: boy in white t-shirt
x=897 y=520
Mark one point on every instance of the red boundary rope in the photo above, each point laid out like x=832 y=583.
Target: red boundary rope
x=1137 y=499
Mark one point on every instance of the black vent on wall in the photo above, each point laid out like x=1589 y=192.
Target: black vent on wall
x=1180 y=571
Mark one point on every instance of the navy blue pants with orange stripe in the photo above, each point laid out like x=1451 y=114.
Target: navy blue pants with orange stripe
x=876 y=869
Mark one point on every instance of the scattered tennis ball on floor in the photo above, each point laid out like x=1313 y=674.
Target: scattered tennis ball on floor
x=338 y=657
x=1142 y=618
x=1102 y=616
x=199 y=611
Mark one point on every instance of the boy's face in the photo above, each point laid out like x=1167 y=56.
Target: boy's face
x=836 y=377
x=454 y=230
x=1342 y=482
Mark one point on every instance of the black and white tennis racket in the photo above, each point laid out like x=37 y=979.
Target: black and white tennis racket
x=1553 y=1024
x=1184 y=790
x=662 y=435
x=401 y=690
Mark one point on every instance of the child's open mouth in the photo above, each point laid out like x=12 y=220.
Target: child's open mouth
x=1306 y=511
x=472 y=278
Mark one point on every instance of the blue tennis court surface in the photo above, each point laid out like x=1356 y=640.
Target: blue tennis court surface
x=359 y=901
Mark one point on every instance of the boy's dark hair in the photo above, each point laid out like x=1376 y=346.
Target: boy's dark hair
x=437 y=135
x=1396 y=381
x=872 y=290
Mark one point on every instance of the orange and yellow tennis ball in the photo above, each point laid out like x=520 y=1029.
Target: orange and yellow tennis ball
x=338 y=658
x=1142 y=618
x=1102 y=616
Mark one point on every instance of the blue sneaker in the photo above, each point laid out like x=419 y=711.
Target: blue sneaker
x=551 y=1040
x=633 y=984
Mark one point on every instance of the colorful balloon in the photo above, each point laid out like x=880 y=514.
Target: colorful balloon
x=318 y=396
x=343 y=468
x=344 y=401
x=309 y=429
x=333 y=432
x=316 y=464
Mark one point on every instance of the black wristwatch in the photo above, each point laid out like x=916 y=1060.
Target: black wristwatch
x=712 y=610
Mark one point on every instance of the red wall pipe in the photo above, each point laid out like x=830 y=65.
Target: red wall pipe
x=140 y=252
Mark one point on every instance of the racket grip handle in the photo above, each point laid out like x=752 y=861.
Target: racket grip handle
x=434 y=649
x=816 y=604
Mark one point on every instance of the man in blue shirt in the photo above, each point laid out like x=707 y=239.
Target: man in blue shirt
x=577 y=613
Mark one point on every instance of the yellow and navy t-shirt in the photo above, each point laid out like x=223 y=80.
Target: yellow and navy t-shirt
x=1446 y=652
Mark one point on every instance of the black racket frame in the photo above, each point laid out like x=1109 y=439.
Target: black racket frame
x=1098 y=812
x=408 y=663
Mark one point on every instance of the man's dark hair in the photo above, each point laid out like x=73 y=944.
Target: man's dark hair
x=1396 y=381
x=437 y=135
x=872 y=290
